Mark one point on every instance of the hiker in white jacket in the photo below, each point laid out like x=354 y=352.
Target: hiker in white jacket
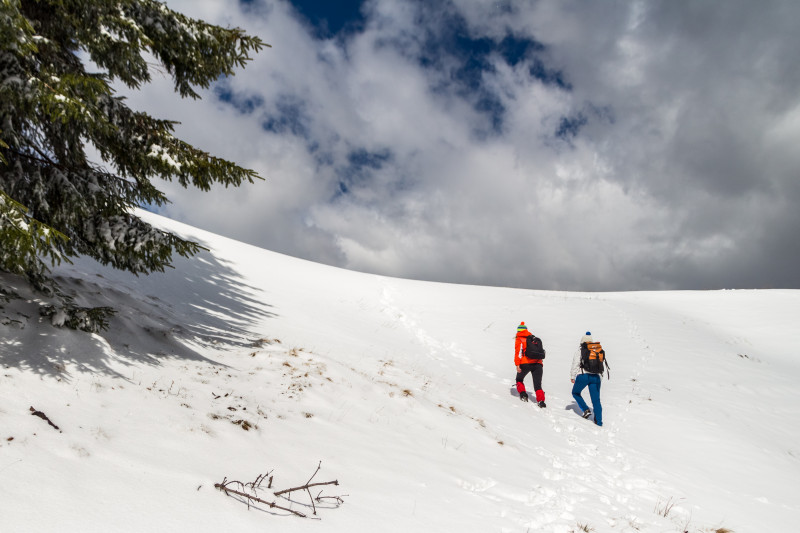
x=583 y=379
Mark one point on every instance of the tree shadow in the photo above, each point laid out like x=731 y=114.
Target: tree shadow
x=201 y=303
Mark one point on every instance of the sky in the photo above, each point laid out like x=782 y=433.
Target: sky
x=558 y=145
x=244 y=362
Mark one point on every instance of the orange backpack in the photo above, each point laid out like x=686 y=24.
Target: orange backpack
x=593 y=358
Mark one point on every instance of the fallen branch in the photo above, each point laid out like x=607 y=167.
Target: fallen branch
x=250 y=498
x=249 y=492
x=308 y=484
x=307 y=488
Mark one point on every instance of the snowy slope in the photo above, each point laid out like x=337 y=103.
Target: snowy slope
x=243 y=361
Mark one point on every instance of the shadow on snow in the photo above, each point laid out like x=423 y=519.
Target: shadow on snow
x=200 y=303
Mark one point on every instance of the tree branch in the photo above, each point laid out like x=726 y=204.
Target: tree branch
x=249 y=492
x=305 y=487
x=250 y=497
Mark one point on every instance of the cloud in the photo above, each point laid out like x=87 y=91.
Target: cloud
x=552 y=144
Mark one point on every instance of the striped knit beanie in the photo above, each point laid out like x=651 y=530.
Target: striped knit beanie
x=522 y=327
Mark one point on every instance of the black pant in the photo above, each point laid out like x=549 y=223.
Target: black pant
x=536 y=370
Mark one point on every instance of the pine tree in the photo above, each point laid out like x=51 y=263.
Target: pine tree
x=54 y=202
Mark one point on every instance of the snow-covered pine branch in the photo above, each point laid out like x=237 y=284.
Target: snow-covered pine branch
x=52 y=107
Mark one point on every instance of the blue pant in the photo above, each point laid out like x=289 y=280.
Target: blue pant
x=593 y=381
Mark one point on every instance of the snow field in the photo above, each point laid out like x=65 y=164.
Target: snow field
x=243 y=362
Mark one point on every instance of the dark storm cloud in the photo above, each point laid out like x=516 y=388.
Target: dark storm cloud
x=552 y=144
x=714 y=83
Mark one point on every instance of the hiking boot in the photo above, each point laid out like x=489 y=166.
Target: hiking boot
x=542 y=404
x=587 y=413
x=523 y=396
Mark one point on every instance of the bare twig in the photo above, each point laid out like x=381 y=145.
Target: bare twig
x=249 y=491
x=259 y=480
x=305 y=487
x=249 y=497
x=337 y=499
x=315 y=473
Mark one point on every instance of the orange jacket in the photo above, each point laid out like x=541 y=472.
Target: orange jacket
x=519 y=349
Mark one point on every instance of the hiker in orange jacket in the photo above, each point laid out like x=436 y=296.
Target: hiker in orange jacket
x=527 y=365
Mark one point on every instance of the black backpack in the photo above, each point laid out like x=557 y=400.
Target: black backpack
x=593 y=358
x=533 y=347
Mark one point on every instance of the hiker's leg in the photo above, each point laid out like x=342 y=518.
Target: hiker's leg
x=521 y=377
x=536 y=371
x=580 y=384
x=594 y=392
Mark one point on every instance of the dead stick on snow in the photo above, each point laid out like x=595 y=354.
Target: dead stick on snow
x=305 y=487
x=250 y=497
x=308 y=484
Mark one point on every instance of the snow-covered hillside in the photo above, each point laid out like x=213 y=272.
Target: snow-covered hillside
x=243 y=362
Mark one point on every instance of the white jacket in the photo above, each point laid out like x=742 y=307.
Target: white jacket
x=576 y=365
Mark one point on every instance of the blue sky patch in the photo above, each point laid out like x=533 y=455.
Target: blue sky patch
x=549 y=76
x=490 y=105
x=255 y=6
x=569 y=127
x=465 y=61
x=517 y=49
x=359 y=169
x=363 y=158
x=330 y=17
x=243 y=103
x=289 y=116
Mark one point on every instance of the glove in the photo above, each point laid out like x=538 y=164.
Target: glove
x=523 y=396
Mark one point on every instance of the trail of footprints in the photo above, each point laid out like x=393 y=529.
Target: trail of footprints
x=587 y=465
